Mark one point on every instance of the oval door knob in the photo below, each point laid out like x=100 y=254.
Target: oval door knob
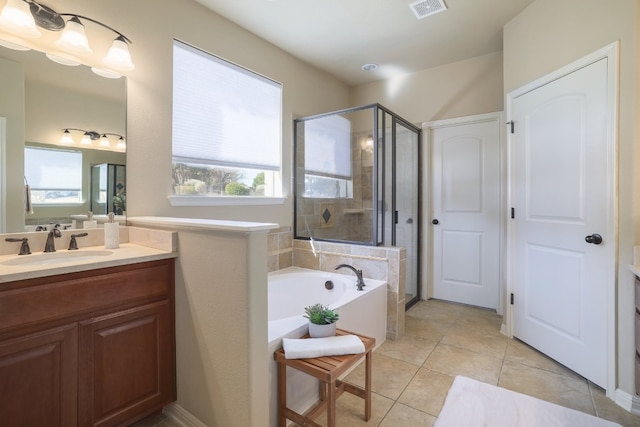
x=409 y=220
x=595 y=239
x=435 y=222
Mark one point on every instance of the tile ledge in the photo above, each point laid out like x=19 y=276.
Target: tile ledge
x=202 y=224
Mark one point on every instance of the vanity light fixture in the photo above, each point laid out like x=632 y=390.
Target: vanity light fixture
x=89 y=136
x=23 y=17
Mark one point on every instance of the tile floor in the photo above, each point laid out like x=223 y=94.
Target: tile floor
x=411 y=376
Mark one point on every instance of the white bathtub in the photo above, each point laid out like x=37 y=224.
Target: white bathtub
x=290 y=291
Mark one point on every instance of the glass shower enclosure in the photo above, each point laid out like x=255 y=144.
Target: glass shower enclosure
x=357 y=176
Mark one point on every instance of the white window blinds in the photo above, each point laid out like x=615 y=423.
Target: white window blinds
x=327 y=146
x=53 y=170
x=224 y=115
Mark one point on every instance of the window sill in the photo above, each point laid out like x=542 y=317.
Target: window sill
x=224 y=201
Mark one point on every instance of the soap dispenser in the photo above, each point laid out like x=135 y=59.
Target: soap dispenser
x=111 y=233
x=90 y=223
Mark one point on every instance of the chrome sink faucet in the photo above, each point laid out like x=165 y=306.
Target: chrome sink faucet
x=50 y=245
x=360 y=282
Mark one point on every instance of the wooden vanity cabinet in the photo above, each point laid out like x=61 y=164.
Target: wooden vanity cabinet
x=94 y=348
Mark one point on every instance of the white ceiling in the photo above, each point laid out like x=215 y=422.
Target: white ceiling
x=339 y=36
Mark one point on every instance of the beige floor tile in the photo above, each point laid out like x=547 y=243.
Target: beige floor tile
x=483 y=341
x=409 y=348
x=427 y=391
x=390 y=376
x=436 y=310
x=404 y=416
x=475 y=320
x=569 y=391
x=428 y=329
x=454 y=361
x=350 y=411
x=519 y=352
x=609 y=410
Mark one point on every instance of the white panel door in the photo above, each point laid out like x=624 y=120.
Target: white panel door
x=562 y=193
x=465 y=222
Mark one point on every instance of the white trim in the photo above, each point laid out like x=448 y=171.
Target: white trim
x=612 y=53
x=627 y=401
x=181 y=416
x=225 y=201
x=3 y=171
x=427 y=212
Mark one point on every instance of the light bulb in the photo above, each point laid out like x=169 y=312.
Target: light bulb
x=16 y=18
x=73 y=38
x=119 y=56
x=104 y=141
x=66 y=137
x=121 y=144
x=86 y=139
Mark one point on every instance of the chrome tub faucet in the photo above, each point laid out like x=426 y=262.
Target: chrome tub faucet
x=359 y=282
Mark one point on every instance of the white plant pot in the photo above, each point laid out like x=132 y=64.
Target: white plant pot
x=321 y=331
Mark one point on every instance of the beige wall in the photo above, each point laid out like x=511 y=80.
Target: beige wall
x=550 y=34
x=306 y=91
x=12 y=107
x=464 y=88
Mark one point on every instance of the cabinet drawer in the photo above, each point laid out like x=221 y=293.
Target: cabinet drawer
x=74 y=295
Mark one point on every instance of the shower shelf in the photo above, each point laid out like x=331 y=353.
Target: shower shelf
x=353 y=211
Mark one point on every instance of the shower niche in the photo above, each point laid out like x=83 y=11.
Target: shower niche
x=357 y=180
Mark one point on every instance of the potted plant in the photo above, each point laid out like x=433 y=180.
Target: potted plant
x=322 y=320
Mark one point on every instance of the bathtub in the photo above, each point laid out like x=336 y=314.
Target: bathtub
x=290 y=291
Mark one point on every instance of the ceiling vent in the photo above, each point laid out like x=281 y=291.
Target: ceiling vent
x=424 y=8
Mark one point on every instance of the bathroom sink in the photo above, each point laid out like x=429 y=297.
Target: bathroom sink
x=59 y=257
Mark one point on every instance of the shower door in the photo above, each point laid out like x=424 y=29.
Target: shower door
x=399 y=162
x=406 y=201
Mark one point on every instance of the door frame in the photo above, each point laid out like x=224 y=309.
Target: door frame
x=611 y=53
x=427 y=211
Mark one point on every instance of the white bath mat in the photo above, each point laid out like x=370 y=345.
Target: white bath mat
x=471 y=403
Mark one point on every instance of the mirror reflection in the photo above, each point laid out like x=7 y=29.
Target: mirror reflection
x=39 y=100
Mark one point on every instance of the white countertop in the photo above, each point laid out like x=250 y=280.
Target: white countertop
x=127 y=253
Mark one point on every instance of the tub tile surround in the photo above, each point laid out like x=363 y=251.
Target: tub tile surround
x=380 y=263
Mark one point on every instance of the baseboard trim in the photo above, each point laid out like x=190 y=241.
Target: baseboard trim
x=627 y=401
x=178 y=414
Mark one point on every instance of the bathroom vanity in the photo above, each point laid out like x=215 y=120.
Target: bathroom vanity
x=90 y=347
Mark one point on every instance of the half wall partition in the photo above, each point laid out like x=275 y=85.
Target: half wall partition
x=357 y=181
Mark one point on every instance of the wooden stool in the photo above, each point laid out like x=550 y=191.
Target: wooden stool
x=327 y=369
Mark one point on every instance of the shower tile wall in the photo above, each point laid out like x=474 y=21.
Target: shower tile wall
x=340 y=218
x=280 y=248
x=381 y=263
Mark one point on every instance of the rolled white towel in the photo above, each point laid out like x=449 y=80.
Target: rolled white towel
x=318 y=347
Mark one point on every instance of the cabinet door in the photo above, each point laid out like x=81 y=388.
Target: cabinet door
x=38 y=379
x=126 y=365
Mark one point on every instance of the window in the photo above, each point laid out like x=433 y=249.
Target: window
x=55 y=176
x=226 y=127
x=327 y=157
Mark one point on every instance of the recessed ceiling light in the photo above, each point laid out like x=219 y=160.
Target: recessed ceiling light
x=369 y=67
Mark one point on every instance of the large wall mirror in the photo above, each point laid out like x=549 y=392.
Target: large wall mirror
x=39 y=98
